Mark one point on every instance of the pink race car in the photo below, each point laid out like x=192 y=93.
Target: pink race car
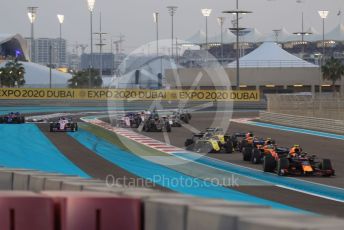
x=63 y=125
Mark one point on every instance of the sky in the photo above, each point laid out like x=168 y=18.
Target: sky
x=134 y=19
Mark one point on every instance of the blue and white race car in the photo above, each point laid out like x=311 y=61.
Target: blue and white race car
x=12 y=118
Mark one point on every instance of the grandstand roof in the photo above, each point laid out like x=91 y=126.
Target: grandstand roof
x=270 y=55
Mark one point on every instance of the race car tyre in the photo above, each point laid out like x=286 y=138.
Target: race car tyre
x=207 y=148
x=229 y=146
x=326 y=164
x=269 y=163
x=186 y=119
x=242 y=145
x=2 y=120
x=22 y=119
x=282 y=165
x=256 y=156
x=189 y=143
x=168 y=127
x=247 y=152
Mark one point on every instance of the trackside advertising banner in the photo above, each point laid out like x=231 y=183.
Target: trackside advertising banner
x=129 y=94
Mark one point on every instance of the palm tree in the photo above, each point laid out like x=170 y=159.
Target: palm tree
x=81 y=79
x=12 y=74
x=332 y=71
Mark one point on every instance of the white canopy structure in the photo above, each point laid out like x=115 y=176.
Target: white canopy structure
x=337 y=34
x=227 y=36
x=281 y=35
x=270 y=55
x=198 y=38
x=253 y=36
x=38 y=76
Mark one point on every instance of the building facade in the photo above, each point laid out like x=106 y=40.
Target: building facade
x=108 y=62
x=46 y=48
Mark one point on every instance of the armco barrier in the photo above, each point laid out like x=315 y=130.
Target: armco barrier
x=312 y=123
x=95 y=211
x=26 y=211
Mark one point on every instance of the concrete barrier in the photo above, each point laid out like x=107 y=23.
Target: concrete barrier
x=25 y=210
x=313 y=123
x=7 y=181
x=172 y=214
x=57 y=183
x=79 y=185
x=94 y=211
x=117 y=189
x=223 y=218
x=290 y=223
x=37 y=182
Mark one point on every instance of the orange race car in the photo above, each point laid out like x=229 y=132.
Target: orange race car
x=297 y=162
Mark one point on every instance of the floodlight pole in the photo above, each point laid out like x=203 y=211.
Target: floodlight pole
x=303 y=34
x=323 y=14
x=221 y=21
x=101 y=44
x=91 y=4
x=156 y=20
x=60 y=17
x=237 y=29
x=32 y=13
x=172 y=10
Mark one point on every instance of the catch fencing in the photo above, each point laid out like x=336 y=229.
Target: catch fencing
x=323 y=105
x=313 y=123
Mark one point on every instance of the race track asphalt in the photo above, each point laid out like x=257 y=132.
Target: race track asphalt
x=91 y=163
x=322 y=147
x=98 y=167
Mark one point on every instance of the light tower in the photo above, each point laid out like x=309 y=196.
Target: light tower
x=61 y=18
x=32 y=14
x=90 y=4
x=172 y=10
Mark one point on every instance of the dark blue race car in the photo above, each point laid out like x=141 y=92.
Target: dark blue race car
x=12 y=118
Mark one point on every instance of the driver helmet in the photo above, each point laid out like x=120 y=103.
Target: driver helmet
x=249 y=134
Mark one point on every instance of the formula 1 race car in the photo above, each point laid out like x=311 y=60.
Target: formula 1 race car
x=129 y=120
x=256 y=156
x=237 y=139
x=63 y=125
x=297 y=165
x=152 y=122
x=12 y=118
x=213 y=140
x=179 y=117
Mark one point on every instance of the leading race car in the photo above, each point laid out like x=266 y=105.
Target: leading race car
x=177 y=118
x=63 y=125
x=129 y=120
x=298 y=163
x=12 y=118
x=213 y=140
